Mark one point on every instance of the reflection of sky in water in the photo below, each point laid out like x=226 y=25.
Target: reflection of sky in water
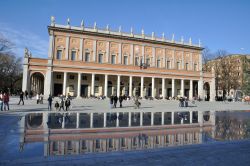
x=229 y=126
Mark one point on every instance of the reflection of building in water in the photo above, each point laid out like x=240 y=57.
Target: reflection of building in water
x=74 y=133
x=232 y=126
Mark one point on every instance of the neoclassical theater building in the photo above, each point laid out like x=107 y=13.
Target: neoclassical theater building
x=89 y=61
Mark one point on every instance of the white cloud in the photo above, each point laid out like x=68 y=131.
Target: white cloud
x=22 y=39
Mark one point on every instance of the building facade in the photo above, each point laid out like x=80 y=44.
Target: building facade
x=237 y=67
x=86 y=62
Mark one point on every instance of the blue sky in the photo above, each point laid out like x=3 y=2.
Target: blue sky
x=219 y=24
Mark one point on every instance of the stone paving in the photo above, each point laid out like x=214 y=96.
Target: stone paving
x=95 y=105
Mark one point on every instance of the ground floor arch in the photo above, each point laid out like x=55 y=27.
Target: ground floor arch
x=37 y=83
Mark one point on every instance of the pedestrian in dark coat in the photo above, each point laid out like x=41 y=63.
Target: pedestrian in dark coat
x=115 y=101
x=21 y=98
x=120 y=100
x=50 y=102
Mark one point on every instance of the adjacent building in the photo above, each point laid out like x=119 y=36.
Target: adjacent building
x=89 y=61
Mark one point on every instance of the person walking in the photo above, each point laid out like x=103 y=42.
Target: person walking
x=115 y=100
x=50 y=102
x=6 y=99
x=61 y=105
x=67 y=104
x=21 y=98
x=111 y=101
x=120 y=100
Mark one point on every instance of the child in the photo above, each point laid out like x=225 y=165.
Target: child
x=57 y=105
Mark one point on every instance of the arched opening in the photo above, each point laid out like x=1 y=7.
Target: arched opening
x=206 y=88
x=37 y=83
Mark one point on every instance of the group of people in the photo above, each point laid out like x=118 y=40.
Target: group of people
x=114 y=100
x=60 y=105
x=4 y=101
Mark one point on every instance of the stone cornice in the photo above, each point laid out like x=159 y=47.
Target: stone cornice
x=124 y=36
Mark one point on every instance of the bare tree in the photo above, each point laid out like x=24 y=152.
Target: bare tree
x=10 y=65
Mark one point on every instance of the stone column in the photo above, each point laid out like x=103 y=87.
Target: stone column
x=79 y=85
x=152 y=118
x=118 y=85
x=93 y=84
x=212 y=87
x=200 y=88
x=91 y=120
x=172 y=118
x=191 y=90
x=200 y=118
x=94 y=50
x=130 y=86
x=141 y=118
x=77 y=120
x=142 y=87
x=191 y=116
x=163 y=88
x=67 y=48
x=182 y=87
x=107 y=51
x=65 y=83
x=104 y=119
x=162 y=118
x=117 y=120
x=173 y=87
x=129 y=119
x=153 y=87
x=106 y=86
x=81 y=49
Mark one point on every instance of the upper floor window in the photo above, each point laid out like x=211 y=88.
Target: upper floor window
x=136 y=61
x=71 y=77
x=73 y=55
x=178 y=65
x=84 y=78
x=87 y=57
x=113 y=59
x=100 y=57
x=168 y=64
x=148 y=61
x=58 y=76
x=195 y=67
x=59 y=54
x=125 y=60
x=158 y=65
x=186 y=66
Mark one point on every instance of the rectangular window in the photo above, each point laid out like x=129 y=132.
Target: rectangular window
x=136 y=61
x=84 y=145
x=186 y=66
x=195 y=67
x=148 y=62
x=70 y=146
x=87 y=57
x=123 y=142
x=84 y=78
x=97 y=144
x=96 y=89
x=158 y=63
x=100 y=58
x=73 y=55
x=55 y=146
x=110 y=143
x=71 y=77
x=178 y=65
x=97 y=78
x=58 y=76
x=59 y=54
x=113 y=59
x=125 y=60
x=168 y=64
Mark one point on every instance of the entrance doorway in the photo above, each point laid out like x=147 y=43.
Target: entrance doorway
x=58 y=89
x=84 y=90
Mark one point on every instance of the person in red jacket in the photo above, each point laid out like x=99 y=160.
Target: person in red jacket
x=6 y=100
